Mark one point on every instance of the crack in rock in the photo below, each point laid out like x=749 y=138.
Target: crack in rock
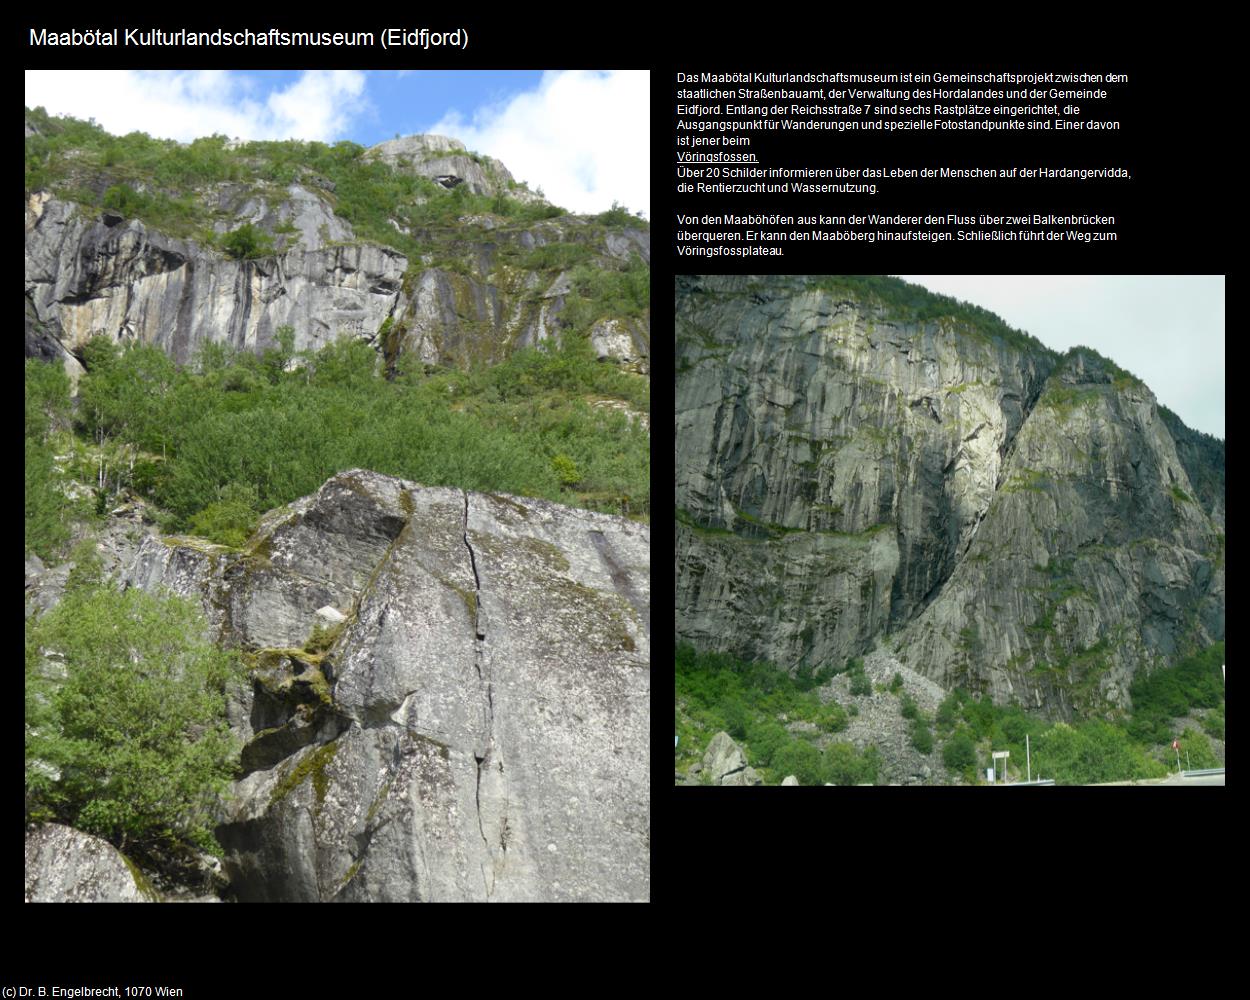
x=482 y=759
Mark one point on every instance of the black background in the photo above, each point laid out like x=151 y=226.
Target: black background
x=1177 y=216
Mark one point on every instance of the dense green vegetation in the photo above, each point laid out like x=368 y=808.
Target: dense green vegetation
x=237 y=435
x=1095 y=750
x=126 y=735
x=48 y=510
x=1194 y=682
x=169 y=185
x=747 y=699
x=916 y=304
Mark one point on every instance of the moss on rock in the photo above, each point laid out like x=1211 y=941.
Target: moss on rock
x=312 y=766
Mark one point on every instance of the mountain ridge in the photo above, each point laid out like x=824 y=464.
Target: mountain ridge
x=853 y=470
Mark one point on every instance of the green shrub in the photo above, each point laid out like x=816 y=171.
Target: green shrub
x=959 y=752
x=617 y=215
x=765 y=738
x=132 y=745
x=860 y=684
x=232 y=518
x=566 y=470
x=831 y=717
x=736 y=717
x=896 y=684
x=800 y=758
x=1196 y=752
x=247 y=242
x=1214 y=723
x=1090 y=752
x=907 y=707
x=921 y=738
x=844 y=765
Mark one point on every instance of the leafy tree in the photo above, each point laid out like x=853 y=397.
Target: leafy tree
x=765 y=739
x=47 y=397
x=275 y=359
x=47 y=408
x=736 y=717
x=800 y=758
x=959 y=754
x=46 y=507
x=130 y=741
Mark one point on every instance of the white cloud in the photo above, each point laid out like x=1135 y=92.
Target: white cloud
x=187 y=105
x=583 y=137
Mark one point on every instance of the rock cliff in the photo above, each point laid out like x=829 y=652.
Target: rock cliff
x=476 y=724
x=449 y=270
x=997 y=516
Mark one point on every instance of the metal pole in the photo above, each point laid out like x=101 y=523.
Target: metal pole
x=1028 y=760
x=1178 y=762
x=1188 y=762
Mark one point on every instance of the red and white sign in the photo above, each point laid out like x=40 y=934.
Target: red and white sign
x=1176 y=745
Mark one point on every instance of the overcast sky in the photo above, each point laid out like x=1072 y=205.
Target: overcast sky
x=583 y=136
x=1168 y=330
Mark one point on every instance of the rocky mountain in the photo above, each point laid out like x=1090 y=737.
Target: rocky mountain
x=447 y=687
x=423 y=248
x=448 y=696
x=860 y=465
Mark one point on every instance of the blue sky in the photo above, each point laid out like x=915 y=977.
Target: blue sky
x=1167 y=329
x=582 y=136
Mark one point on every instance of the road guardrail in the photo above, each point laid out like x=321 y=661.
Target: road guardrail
x=1200 y=774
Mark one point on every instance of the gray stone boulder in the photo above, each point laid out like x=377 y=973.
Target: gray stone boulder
x=790 y=779
x=478 y=728
x=64 y=865
x=727 y=764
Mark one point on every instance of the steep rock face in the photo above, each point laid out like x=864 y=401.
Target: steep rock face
x=478 y=729
x=64 y=865
x=445 y=161
x=840 y=459
x=844 y=475
x=474 y=300
x=1093 y=561
x=86 y=276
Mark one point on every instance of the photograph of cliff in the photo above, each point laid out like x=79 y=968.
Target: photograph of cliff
x=337 y=488
x=910 y=536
